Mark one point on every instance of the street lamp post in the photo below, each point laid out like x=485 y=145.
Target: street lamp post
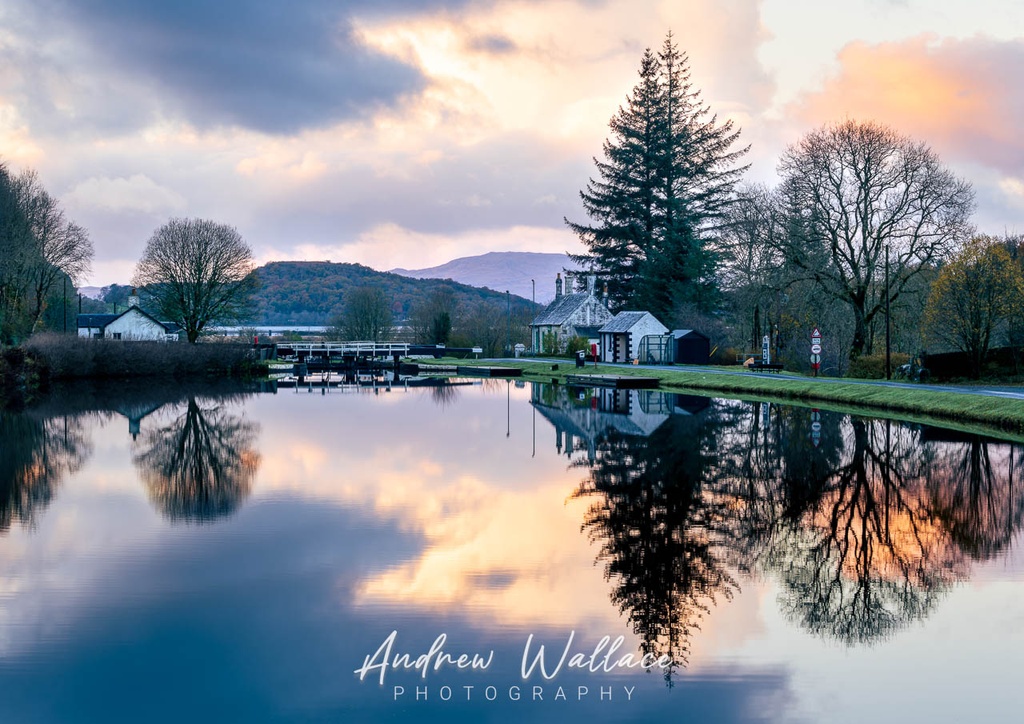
x=888 y=345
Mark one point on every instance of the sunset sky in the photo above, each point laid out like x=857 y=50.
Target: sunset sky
x=404 y=133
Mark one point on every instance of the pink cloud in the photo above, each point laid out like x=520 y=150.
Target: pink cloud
x=963 y=97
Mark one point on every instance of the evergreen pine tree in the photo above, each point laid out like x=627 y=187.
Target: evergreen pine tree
x=622 y=202
x=664 y=187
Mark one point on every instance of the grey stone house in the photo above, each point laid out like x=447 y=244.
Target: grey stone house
x=569 y=315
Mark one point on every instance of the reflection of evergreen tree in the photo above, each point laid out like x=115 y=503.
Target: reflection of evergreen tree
x=865 y=530
x=199 y=467
x=661 y=530
x=35 y=455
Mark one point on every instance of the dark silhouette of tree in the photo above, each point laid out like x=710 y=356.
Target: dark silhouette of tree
x=201 y=466
x=662 y=190
x=867 y=555
x=980 y=501
x=662 y=531
x=35 y=456
x=198 y=273
x=855 y=191
x=366 y=316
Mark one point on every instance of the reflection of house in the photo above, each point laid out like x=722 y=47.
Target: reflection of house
x=133 y=323
x=620 y=337
x=583 y=416
x=135 y=414
x=569 y=315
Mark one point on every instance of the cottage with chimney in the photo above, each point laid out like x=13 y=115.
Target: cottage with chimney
x=133 y=323
x=569 y=315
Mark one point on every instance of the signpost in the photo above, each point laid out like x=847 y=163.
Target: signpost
x=766 y=357
x=816 y=350
x=815 y=427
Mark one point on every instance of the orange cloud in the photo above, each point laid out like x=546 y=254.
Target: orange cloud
x=960 y=96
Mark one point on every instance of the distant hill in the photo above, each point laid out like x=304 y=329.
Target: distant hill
x=501 y=270
x=312 y=292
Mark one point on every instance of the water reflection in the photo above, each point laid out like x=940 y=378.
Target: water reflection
x=662 y=531
x=35 y=456
x=201 y=465
x=865 y=524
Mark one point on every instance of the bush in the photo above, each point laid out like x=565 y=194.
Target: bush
x=872 y=366
x=64 y=357
x=577 y=344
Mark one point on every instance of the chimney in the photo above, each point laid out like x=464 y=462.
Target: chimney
x=558 y=285
x=133 y=298
x=604 y=295
x=591 y=283
x=568 y=283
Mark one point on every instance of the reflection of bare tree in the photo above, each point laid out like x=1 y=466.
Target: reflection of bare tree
x=35 y=455
x=662 y=531
x=976 y=493
x=867 y=554
x=444 y=395
x=199 y=467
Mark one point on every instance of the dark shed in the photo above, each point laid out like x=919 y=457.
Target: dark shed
x=691 y=347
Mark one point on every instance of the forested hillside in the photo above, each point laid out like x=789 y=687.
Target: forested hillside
x=313 y=292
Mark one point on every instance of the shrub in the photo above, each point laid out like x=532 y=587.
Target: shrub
x=74 y=357
x=872 y=366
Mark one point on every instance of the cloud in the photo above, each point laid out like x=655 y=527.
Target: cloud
x=261 y=64
x=138 y=193
x=963 y=97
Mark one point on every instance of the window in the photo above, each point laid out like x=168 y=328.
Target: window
x=117 y=335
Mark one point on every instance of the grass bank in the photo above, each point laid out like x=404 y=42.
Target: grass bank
x=974 y=413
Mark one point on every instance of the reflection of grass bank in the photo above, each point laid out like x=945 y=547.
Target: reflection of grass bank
x=26 y=370
x=950 y=409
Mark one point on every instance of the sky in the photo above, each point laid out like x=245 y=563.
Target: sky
x=406 y=133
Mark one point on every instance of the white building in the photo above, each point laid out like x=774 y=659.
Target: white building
x=568 y=315
x=133 y=323
x=620 y=337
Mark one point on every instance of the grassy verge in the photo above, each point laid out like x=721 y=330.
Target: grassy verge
x=972 y=413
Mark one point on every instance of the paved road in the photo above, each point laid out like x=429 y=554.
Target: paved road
x=1012 y=393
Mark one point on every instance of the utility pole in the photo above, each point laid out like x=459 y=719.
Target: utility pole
x=888 y=346
x=508 y=330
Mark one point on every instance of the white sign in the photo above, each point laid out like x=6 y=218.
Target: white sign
x=815 y=348
x=815 y=359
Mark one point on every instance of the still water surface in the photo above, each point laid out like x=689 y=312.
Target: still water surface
x=237 y=556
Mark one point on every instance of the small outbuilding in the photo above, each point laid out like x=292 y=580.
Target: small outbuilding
x=621 y=337
x=691 y=347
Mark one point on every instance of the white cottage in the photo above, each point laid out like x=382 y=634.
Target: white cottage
x=133 y=323
x=568 y=315
x=620 y=337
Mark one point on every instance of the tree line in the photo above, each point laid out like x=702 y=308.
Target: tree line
x=42 y=255
x=864 y=224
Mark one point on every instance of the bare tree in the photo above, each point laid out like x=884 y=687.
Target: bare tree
x=199 y=273
x=61 y=246
x=38 y=248
x=366 y=317
x=857 y=190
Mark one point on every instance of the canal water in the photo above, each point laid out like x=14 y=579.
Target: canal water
x=479 y=550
